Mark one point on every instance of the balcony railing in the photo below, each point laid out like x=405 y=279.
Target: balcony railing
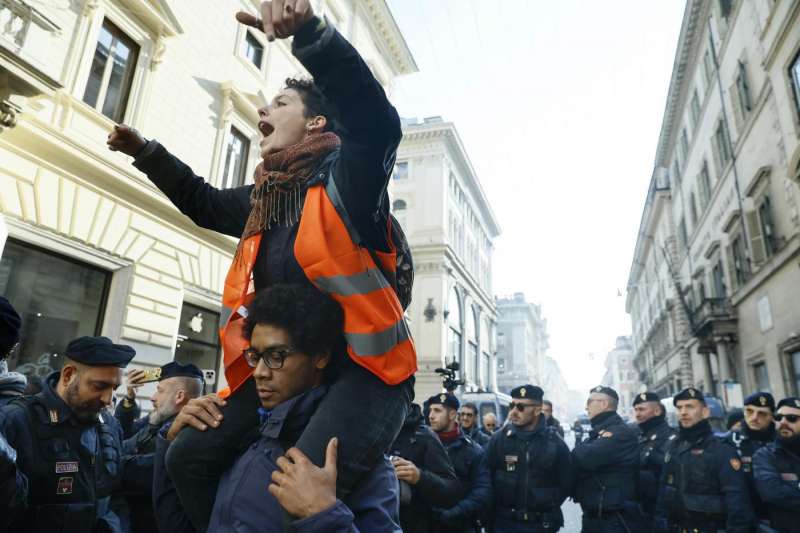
x=16 y=18
x=714 y=317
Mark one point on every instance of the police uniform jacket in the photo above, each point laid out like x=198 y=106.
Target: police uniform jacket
x=747 y=443
x=467 y=457
x=556 y=425
x=605 y=466
x=71 y=467
x=703 y=485
x=478 y=435
x=438 y=485
x=777 y=477
x=531 y=473
x=654 y=441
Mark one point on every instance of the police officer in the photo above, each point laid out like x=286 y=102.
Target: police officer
x=654 y=439
x=530 y=468
x=547 y=411
x=703 y=488
x=776 y=468
x=757 y=431
x=12 y=384
x=68 y=445
x=467 y=458
x=468 y=421
x=177 y=384
x=425 y=472
x=605 y=467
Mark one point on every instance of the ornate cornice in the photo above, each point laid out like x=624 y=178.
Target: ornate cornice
x=383 y=24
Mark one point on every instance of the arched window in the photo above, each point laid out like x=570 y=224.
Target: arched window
x=454 y=326
x=486 y=350
x=399 y=205
x=471 y=327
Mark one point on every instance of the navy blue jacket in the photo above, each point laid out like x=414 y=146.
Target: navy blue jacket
x=605 y=465
x=243 y=503
x=86 y=482
x=702 y=482
x=777 y=477
x=469 y=462
x=478 y=435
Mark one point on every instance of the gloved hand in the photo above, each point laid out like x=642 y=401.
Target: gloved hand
x=8 y=459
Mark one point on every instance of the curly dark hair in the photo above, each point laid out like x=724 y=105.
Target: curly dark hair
x=314 y=321
x=315 y=102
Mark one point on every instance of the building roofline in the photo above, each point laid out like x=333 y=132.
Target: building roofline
x=447 y=130
x=383 y=22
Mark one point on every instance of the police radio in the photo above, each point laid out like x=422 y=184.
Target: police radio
x=448 y=374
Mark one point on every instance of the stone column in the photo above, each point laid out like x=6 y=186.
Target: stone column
x=723 y=362
x=708 y=381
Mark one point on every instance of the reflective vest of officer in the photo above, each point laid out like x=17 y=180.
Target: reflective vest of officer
x=328 y=249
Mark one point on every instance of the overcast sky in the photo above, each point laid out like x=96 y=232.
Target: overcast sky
x=559 y=104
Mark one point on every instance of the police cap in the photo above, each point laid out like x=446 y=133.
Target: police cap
x=761 y=399
x=646 y=397
x=447 y=399
x=689 y=393
x=608 y=391
x=792 y=401
x=527 y=392
x=9 y=327
x=99 y=351
x=175 y=369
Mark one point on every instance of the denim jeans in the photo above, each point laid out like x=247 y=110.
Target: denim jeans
x=360 y=410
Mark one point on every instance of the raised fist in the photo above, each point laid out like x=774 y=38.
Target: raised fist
x=126 y=140
x=279 y=18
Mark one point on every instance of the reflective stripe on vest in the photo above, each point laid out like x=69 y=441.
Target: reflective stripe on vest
x=328 y=250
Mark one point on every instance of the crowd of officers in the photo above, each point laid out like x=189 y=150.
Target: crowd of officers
x=63 y=454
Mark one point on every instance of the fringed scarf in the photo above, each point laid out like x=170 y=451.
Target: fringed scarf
x=280 y=181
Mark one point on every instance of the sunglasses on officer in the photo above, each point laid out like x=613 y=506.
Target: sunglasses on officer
x=522 y=406
x=789 y=418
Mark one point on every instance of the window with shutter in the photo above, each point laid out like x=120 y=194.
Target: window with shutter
x=693 y=209
x=704 y=187
x=694 y=109
x=767 y=226
x=794 y=74
x=718 y=275
x=757 y=244
x=738 y=261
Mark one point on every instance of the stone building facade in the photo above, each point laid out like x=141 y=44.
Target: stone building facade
x=438 y=200
x=89 y=246
x=713 y=284
x=522 y=342
x=622 y=376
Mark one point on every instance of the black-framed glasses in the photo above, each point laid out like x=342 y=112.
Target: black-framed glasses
x=789 y=418
x=521 y=406
x=272 y=357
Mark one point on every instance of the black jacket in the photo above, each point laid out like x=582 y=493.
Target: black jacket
x=370 y=134
x=478 y=435
x=438 y=485
x=655 y=438
x=777 y=477
x=605 y=466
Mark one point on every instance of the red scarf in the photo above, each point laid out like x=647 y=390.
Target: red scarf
x=449 y=436
x=280 y=179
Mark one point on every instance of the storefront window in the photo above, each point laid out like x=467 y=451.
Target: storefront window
x=59 y=299
x=198 y=340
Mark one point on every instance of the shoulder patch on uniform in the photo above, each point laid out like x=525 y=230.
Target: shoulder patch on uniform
x=736 y=464
x=64 y=485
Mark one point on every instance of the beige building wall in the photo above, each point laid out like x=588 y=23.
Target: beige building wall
x=62 y=189
x=438 y=200
x=730 y=143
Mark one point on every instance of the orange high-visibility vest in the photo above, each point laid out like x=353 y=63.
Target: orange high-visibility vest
x=328 y=250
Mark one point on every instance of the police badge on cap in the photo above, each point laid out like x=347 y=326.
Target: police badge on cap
x=448 y=400
x=689 y=393
x=646 y=397
x=528 y=392
x=761 y=399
